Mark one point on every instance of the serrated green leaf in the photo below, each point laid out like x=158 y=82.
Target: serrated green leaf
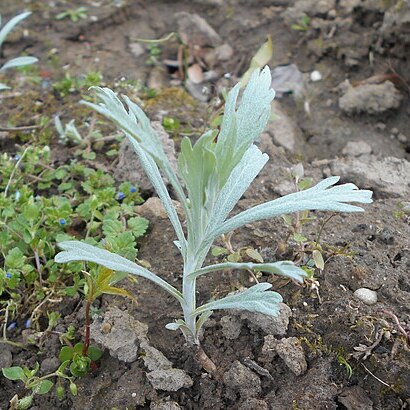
x=112 y=227
x=138 y=226
x=15 y=259
x=30 y=212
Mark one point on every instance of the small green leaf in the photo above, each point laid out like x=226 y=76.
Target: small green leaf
x=254 y=254
x=218 y=251
x=138 y=226
x=111 y=290
x=30 y=212
x=78 y=348
x=44 y=387
x=25 y=403
x=305 y=183
x=318 y=258
x=73 y=389
x=60 y=392
x=15 y=258
x=112 y=227
x=66 y=354
x=63 y=365
x=297 y=237
x=13 y=373
x=94 y=353
x=234 y=257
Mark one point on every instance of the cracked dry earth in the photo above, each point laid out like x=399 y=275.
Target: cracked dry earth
x=331 y=347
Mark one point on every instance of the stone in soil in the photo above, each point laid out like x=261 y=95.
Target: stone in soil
x=240 y=379
x=370 y=98
x=268 y=352
x=6 y=358
x=120 y=333
x=126 y=338
x=169 y=379
x=231 y=326
x=354 y=398
x=49 y=365
x=291 y=352
x=367 y=296
x=164 y=405
x=387 y=176
x=253 y=404
x=357 y=148
x=272 y=325
x=284 y=131
x=195 y=30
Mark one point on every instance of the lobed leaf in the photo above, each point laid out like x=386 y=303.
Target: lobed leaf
x=254 y=299
x=236 y=185
x=320 y=197
x=79 y=251
x=242 y=126
x=282 y=268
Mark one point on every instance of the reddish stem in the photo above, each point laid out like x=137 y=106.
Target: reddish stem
x=87 y=328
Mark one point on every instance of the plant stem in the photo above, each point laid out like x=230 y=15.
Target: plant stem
x=189 y=295
x=203 y=359
x=87 y=327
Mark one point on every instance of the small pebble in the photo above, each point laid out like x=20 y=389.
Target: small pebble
x=315 y=76
x=367 y=296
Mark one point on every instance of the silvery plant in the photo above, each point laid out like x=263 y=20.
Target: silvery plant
x=18 y=61
x=211 y=177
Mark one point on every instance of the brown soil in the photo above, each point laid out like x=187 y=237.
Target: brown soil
x=328 y=321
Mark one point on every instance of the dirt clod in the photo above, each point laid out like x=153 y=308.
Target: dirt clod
x=242 y=380
x=370 y=98
x=272 y=325
x=355 y=398
x=169 y=379
x=291 y=352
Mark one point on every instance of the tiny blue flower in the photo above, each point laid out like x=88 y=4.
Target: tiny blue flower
x=11 y=326
x=17 y=157
x=17 y=196
x=62 y=221
x=27 y=323
x=121 y=195
x=9 y=275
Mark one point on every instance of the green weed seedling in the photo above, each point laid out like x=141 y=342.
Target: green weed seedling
x=74 y=15
x=212 y=176
x=18 y=61
x=38 y=384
